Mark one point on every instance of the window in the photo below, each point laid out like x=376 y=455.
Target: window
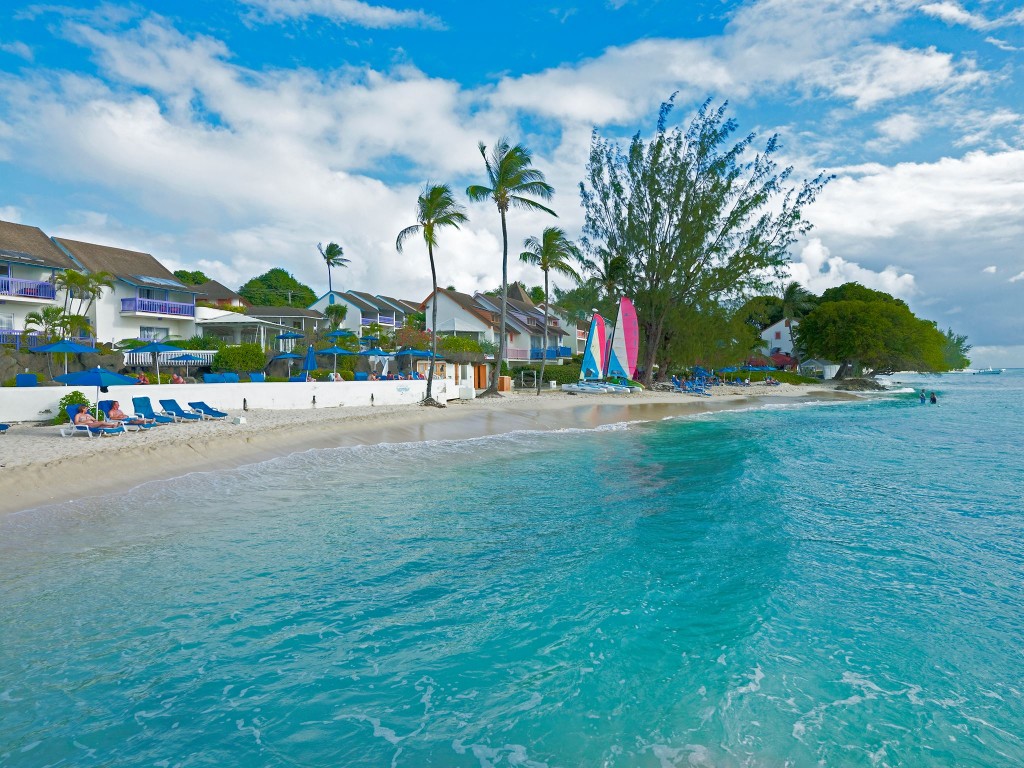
x=149 y=333
x=778 y=334
x=6 y=322
x=155 y=294
x=5 y=269
x=331 y=299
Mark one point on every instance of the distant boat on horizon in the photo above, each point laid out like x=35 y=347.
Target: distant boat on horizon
x=990 y=371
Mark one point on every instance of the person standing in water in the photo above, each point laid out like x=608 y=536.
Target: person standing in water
x=933 y=399
x=922 y=397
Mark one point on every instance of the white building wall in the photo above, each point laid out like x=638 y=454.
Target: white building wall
x=354 y=317
x=113 y=326
x=785 y=341
x=452 y=318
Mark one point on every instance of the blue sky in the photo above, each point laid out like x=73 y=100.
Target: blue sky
x=233 y=136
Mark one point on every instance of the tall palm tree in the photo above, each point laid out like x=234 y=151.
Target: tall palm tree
x=72 y=282
x=553 y=252
x=512 y=181
x=435 y=209
x=797 y=301
x=95 y=284
x=334 y=256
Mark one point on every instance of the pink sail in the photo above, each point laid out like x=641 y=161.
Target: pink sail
x=629 y=330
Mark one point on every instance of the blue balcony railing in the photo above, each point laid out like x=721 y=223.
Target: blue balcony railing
x=553 y=353
x=379 y=320
x=32 y=339
x=155 y=307
x=29 y=289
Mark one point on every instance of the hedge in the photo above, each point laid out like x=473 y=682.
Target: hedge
x=244 y=357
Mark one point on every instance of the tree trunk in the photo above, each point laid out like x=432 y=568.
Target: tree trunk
x=433 y=328
x=654 y=334
x=330 y=288
x=544 y=351
x=502 y=341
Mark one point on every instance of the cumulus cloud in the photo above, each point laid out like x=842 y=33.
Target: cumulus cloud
x=19 y=49
x=10 y=213
x=954 y=14
x=817 y=270
x=1016 y=278
x=343 y=12
x=990 y=270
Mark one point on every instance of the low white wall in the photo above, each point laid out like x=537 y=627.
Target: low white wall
x=41 y=403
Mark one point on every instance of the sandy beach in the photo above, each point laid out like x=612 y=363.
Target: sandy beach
x=39 y=467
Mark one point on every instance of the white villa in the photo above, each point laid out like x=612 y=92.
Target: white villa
x=778 y=337
x=364 y=309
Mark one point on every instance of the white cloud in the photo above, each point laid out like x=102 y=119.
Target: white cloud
x=1010 y=356
x=1016 y=278
x=990 y=270
x=817 y=270
x=343 y=12
x=10 y=213
x=954 y=14
x=1001 y=44
x=19 y=49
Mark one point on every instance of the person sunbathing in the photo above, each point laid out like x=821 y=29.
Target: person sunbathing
x=117 y=414
x=83 y=417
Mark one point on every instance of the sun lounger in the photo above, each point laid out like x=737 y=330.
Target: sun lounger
x=105 y=405
x=26 y=380
x=257 y=377
x=144 y=408
x=171 y=408
x=4 y=428
x=206 y=411
x=213 y=378
x=361 y=376
x=73 y=429
x=231 y=378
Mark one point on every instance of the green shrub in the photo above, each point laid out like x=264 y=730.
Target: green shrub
x=244 y=357
x=203 y=342
x=71 y=398
x=561 y=374
x=458 y=344
x=347 y=375
x=8 y=382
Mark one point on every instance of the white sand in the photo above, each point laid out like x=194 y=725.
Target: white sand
x=38 y=466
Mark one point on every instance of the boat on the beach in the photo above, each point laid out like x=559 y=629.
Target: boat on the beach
x=990 y=371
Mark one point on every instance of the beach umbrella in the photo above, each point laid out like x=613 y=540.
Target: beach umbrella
x=289 y=356
x=187 y=360
x=289 y=335
x=373 y=353
x=368 y=340
x=309 y=364
x=66 y=347
x=335 y=351
x=95 y=377
x=155 y=348
x=339 y=334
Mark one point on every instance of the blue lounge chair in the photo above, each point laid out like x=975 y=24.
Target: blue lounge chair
x=144 y=408
x=26 y=380
x=231 y=378
x=298 y=377
x=171 y=408
x=207 y=411
x=213 y=378
x=4 y=428
x=84 y=429
x=257 y=377
x=131 y=423
x=362 y=376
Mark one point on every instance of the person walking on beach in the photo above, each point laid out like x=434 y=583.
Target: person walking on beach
x=934 y=400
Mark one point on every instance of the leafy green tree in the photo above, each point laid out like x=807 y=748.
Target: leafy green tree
x=49 y=322
x=333 y=256
x=191 y=277
x=82 y=287
x=874 y=333
x=552 y=252
x=955 y=350
x=537 y=294
x=697 y=219
x=512 y=182
x=277 y=288
x=336 y=314
x=797 y=301
x=436 y=209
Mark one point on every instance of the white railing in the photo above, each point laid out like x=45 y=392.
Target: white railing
x=167 y=358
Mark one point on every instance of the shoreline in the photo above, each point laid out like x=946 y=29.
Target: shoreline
x=39 y=468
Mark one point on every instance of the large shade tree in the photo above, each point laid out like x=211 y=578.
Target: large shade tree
x=552 y=252
x=436 y=209
x=277 y=288
x=512 y=182
x=698 y=218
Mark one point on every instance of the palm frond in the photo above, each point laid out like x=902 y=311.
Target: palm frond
x=404 y=235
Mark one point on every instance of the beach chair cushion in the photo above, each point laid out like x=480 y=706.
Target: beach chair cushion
x=213 y=378
x=171 y=407
x=362 y=376
x=258 y=377
x=85 y=429
x=26 y=380
x=207 y=411
x=231 y=378
x=4 y=428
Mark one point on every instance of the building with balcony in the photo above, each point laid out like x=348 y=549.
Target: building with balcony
x=147 y=300
x=295 y=319
x=364 y=309
x=29 y=263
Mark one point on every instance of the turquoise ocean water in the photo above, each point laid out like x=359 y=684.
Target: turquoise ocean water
x=822 y=585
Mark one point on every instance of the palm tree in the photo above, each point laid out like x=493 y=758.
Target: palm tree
x=435 y=209
x=609 y=273
x=95 y=284
x=336 y=314
x=553 y=251
x=513 y=181
x=334 y=256
x=72 y=282
x=797 y=301
x=52 y=322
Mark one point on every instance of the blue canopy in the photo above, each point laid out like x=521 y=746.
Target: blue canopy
x=287 y=356
x=368 y=339
x=289 y=335
x=155 y=348
x=336 y=351
x=730 y=369
x=67 y=347
x=187 y=359
x=415 y=353
x=374 y=352
x=339 y=334
x=95 y=377
x=309 y=364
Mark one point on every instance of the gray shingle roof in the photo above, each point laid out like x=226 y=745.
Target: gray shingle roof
x=29 y=245
x=133 y=267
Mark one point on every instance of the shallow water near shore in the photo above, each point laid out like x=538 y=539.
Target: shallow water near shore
x=791 y=585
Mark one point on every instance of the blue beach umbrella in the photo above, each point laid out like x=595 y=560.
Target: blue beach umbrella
x=187 y=360
x=309 y=364
x=374 y=352
x=155 y=348
x=289 y=335
x=95 y=377
x=368 y=340
x=339 y=334
x=336 y=351
x=289 y=356
x=64 y=347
